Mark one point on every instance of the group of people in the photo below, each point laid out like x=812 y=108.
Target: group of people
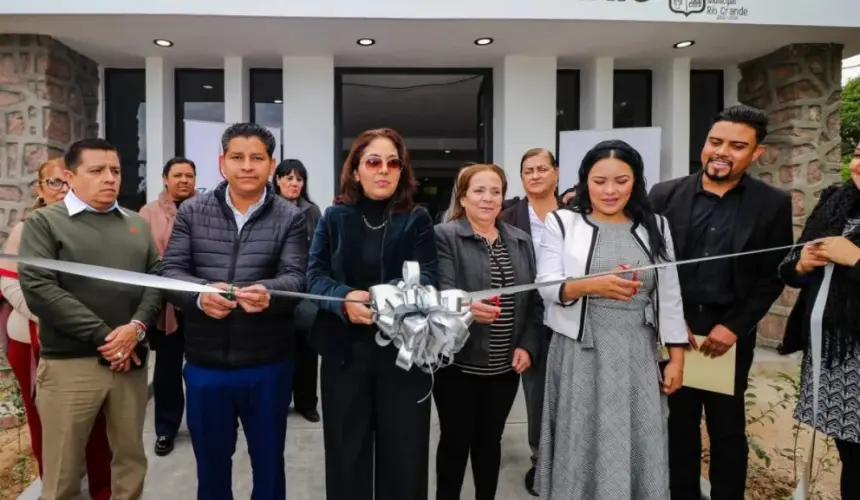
x=608 y=416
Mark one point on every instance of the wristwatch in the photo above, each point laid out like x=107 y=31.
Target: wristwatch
x=141 y=330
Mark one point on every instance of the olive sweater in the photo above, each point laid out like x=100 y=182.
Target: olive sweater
x=77 y=313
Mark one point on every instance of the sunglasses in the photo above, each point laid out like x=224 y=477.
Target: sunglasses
x=375 y=163
x=55 y=183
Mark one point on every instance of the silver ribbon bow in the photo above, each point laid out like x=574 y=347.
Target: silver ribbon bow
x=427 y=326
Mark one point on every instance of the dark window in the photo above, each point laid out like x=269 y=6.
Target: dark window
x=125 y=128
x=267 y=94
x=706 y=101
x=567 y=102
x=631 y=99
x=199 y=96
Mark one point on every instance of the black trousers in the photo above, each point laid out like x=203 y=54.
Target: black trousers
x=472 y=410
x=726 y=422
x=305 y=374
x=168 y=391
x=376 y=435
x=849 y=453
x=533 y=389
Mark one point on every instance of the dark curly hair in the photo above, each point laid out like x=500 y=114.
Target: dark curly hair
x=638 y=208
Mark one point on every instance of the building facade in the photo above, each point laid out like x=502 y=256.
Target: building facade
x=134 y=71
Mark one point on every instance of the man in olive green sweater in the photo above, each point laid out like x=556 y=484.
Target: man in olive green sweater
x=92 y=332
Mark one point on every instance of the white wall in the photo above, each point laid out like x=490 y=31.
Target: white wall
x=308 y=129
x=829 y=13
x=670 y=110
x=160 y=122
x=524 y=112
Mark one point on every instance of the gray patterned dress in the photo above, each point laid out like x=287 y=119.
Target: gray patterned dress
x=604 y=430
x=839 y=393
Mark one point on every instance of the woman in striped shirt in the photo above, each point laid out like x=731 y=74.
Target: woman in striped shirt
x=474 y=396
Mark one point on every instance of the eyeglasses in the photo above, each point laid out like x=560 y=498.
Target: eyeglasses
x=375 y=163
x=55 y=183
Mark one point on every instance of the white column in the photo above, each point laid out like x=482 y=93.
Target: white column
x=671 y=112
x=160 y=122
x=237 y=90
x=524 y=112
x=731 y=81
x=100 y=112
x=596 y=94
x=308 y=131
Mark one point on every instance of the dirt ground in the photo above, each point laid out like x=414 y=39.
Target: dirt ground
x=773 y=430
x=18 y=468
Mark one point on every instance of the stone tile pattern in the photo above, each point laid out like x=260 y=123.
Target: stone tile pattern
x=48 y=99
x=800 y=88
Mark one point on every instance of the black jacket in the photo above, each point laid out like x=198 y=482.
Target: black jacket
x=270 y=250
x=338 y=239
x=764 y=221
x=465 y=265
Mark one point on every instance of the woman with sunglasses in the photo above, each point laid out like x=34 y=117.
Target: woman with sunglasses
x=21 y=332
x=376 y=433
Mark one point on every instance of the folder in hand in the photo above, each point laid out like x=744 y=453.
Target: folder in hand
x=709 y=374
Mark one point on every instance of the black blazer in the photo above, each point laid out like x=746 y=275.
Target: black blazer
x=340 y=232
x=516 y=213
x=764 y=221
x=465 y=265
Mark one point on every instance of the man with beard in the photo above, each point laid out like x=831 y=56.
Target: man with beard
x=718 y=211
x=539 y=172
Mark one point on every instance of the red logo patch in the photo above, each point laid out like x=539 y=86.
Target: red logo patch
x=133 y=229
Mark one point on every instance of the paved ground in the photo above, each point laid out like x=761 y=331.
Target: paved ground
x=174 y=476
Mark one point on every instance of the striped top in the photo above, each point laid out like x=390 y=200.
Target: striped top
x=502 y=330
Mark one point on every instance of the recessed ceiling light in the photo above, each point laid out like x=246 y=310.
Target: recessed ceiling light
x=162 y=43
x=278 y=101
x=207 y=87
x=365 y=42
x=483 y=41
x=684 y=44
x=447 y=151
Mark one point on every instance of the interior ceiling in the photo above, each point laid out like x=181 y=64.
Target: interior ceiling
x=417 y=106
x=201 y=41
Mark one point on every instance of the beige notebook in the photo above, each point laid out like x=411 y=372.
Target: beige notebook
x=709 y=374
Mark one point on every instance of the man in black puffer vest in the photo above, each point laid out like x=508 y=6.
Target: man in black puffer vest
x=246 y=240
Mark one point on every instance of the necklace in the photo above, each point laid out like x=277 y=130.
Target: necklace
x=372 y=227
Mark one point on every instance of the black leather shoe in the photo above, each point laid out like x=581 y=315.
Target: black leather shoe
x=311 y=415
x=530 y=482
x=163 y=446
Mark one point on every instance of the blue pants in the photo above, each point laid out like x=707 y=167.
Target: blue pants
x=217 y=400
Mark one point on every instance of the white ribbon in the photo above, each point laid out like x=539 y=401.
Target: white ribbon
x=427 y=326
x=816 y=333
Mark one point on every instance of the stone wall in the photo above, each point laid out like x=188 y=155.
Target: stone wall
x=48 y=99
x=800 y=88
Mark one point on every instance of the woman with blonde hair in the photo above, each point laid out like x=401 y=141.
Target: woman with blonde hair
x=20 y=330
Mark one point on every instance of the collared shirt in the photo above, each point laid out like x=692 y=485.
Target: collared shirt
x=536 y=229
x=712 y=227
x=241 y=218
x=76 y=205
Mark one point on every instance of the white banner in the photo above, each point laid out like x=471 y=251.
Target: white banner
x=574 y=144
x=203 y=147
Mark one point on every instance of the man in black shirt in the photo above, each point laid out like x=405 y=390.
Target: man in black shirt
x=718 y=211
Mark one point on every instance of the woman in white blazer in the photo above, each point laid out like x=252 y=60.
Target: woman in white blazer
x=604 y=431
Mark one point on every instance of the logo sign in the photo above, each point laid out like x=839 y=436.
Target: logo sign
x=687 y=7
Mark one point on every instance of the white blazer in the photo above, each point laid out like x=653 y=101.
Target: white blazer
x=568 y=254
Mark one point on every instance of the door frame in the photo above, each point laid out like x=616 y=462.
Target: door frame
x=486 y=93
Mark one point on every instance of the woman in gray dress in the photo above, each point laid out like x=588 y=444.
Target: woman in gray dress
x=604 y=430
